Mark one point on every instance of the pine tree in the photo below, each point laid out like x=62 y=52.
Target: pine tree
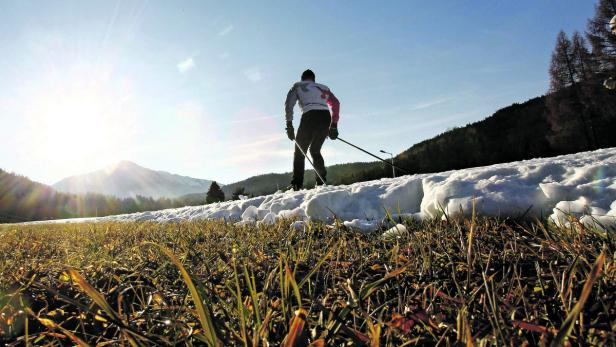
x=562 y=70
x=602 y=103
x=588 y=89
x=570 y=62
x=214 y=194
x=584 y=63
x=603 y=42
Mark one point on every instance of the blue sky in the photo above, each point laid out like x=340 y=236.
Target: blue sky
x=197 y=87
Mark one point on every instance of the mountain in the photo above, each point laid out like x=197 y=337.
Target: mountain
x=127 y=179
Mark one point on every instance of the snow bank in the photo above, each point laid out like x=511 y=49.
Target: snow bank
x=582 y=185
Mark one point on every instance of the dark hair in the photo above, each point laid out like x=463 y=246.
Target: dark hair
x=308 y=75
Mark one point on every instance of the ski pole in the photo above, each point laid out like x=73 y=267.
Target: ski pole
x=310 y=161
x=379 y=158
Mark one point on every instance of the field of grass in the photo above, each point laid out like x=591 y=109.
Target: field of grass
x=473 y=282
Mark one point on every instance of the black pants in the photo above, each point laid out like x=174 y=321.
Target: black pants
x=312 y=132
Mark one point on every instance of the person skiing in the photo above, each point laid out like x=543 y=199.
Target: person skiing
x=316 y=124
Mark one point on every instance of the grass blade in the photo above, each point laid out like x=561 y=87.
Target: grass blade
x=240 y=306
x=315 y=268
x=254 y=296
x=296 y=336
x=568 y=324
x=374 y=333
x=94 y=294
x=50 y=324
x=204 y=314
x=291 y=278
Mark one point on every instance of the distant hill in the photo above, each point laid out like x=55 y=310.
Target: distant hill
x=268 y=183
x=516 y=132
x=512 y=133
x=18 y=196
x=127 y=179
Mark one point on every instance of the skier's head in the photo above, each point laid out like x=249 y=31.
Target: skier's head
x=308 y=75
x=613 y=25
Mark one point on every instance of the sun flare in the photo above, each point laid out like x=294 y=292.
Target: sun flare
x=79 y=121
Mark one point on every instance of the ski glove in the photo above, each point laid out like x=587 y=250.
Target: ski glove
x=333 y=131
x=290 y=131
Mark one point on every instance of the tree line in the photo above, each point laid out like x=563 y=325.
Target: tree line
x=581 y=112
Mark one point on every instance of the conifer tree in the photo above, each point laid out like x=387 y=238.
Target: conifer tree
x=603 y=42
x=562 y=70
x=584 y=63
x=214 y=194
x=565 y=101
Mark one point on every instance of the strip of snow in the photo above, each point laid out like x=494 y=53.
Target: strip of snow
x=582 y=184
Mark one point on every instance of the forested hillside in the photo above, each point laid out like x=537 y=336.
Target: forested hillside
x=268 y=183
x=512 y=133
x=517 y=132
x=24 y=200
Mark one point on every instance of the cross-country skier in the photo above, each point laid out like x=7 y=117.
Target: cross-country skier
x=316 y=124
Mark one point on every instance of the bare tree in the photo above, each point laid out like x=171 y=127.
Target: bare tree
x=562 y=70
x=571 y=64
x=584 y=63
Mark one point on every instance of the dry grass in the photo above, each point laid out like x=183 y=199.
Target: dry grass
x=473 y=282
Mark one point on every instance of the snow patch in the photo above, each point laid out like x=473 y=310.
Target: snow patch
x=362 y=225
x=582 y=185
x=397 y=230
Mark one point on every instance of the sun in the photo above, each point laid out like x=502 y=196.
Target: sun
x=80 y=121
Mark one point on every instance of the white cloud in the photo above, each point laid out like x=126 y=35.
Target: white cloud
x=430 y=103
x=253 y=74
x=226 y=30
x=223 y=56
x=186 y=65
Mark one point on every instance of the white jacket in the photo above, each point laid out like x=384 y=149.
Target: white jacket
x=311 y=96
